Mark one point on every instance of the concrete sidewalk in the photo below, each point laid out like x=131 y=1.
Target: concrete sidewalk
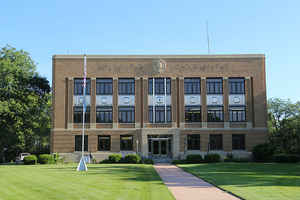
x=185 y=186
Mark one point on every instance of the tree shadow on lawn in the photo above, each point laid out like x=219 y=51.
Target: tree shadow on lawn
x=247 y=174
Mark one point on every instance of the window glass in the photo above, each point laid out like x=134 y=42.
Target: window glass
x=78 y=112
x=104 y=114
x=126 y=114
x=160 y=114
x=192 y=85
x=214 y=86
x=104 y=143
x=126 y=86
x=78 y=143
x=236 y=86
x=215 y=114
x=104 y=86
x=126 y=143
x=192 y=114
x=193 y=142
x=215 y=142
x=78 y=86
x=237 y=114
x=159 y=86
x=238 y=142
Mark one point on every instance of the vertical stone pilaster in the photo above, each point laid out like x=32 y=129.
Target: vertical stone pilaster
x=115 y=102
x=249 y=102
x=203 y=103
x=138 y=97
x=204 y=140
x=181 y=102
x=225 y=101
x=174 y=103
x=93 y=141
x=93 y=103
x=176 y=144
x=227 y=142
x=144 y=143
x=70 y=104
x=145 y=101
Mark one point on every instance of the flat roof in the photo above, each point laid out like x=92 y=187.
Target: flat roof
x=77 y=56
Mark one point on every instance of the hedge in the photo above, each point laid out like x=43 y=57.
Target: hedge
x=46 y=159
x=194 y=158
x=213 y=157
x=30 y=160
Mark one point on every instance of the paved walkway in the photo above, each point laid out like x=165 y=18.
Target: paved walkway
x=185 y=186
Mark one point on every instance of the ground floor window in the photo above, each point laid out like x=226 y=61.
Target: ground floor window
x=237 y=113
x=78 y=112
x=103 y=142
x=160 y=114
x=238 y=142
x=126 y=114
x=104 y=114
x=78 y=143
x=192 y=114
x=193 y=142
x=126 y=143
x=215 y=114
x=216 y=142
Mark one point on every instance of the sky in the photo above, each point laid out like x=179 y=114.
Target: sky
x=45 y=28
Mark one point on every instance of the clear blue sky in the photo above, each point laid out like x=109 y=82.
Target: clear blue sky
x=44 y=28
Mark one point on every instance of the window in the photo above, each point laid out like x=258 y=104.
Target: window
x=193 y=142
x=159 y=86
x=126 y=114
x=104 y=86
x=215 y=142
x=215 y=114
x=160 y=114
x=192 y=85
x=104 y=114
x=78 y=111
x=237 y=113
x=78 y=143
x=214 y=86
x=192 y=114
x=126 y=86
x=103 y=142
x=236 y=86
x=238 y=142
x=78 y=86
x=126 y=143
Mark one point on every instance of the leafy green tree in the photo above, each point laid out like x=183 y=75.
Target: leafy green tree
x=24 y=103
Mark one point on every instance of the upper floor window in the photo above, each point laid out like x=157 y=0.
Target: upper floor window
x=214 y=86
x=78 y=86
x=126 y=86
x=159 y=85
x=193 y=142
x=160 y=114
x=126 y=114
x=215 y=114
x=237 y=113
x=104 y=86
x=192 y=86
x=238 y=142
x=192 y=114
x=236 y=86
x=78 y=143
x=104 y=114
x=78 y=114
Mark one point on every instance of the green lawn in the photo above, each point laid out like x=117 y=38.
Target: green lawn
x=62 y=182
x=252 y=181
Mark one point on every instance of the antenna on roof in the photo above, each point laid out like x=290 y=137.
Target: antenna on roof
x=207 y=35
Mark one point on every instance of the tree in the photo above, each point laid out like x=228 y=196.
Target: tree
x=24 y=102
x=284 y=125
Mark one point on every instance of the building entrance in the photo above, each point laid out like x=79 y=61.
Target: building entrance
x=160 y=146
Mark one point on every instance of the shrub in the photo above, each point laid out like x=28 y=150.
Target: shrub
x=105 y=161
x=263 y=152
x=286 y=158
x=46 y=159
x=194 y=158
x=131 y=158
x=30 y=160
x=147 y=161
x=177 y=162
x=229 y=158
x=114 y=158
x=210 y=158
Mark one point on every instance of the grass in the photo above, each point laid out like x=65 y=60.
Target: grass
x=252 y=181
x=105 y=181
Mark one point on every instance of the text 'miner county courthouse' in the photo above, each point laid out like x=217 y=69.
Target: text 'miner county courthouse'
x=160 y=106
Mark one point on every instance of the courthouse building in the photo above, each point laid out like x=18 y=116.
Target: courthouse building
x=159 y=106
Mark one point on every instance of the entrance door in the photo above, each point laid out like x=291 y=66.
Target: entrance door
x=159 y=147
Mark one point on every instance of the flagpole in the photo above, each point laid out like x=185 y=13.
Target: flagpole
x=82 y=165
